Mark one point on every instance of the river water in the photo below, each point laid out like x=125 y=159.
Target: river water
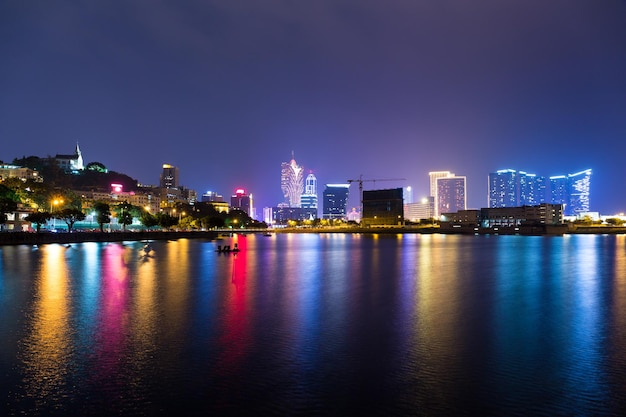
x=316 y=324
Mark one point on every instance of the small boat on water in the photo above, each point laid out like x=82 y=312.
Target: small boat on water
x=227 y=249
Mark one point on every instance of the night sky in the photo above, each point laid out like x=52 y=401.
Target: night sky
x=226 y=90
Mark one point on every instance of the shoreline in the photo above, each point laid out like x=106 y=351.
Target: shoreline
x=33 y=238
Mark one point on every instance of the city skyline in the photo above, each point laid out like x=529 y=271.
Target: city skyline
x=384 y=90
x=505 y=188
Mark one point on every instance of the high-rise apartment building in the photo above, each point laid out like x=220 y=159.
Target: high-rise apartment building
x=169 y=176
x=504 y=188
x=451 y=194
x=532 y=189
x=558 y=190
x=433 y=176
x=510 y=188
x=335 y=201
x=292 y=182
x=309 y=198
x=579 y=187
x=572 y=191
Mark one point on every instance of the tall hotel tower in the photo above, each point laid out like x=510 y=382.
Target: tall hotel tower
x=572 y=191
x=309 y=198
x=510 y=188
x=579 y=189
x=448 y=192
x=451 y=195
x=292 y=182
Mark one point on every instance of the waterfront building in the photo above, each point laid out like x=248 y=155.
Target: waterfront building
x=335 y=201
x=421 y=210
x=282 y=214
x=451 y=194
x=383 y=207
x=292 y=182
x=433 y=176
x=541 y=214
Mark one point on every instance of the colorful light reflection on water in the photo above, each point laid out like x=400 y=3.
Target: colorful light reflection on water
x=329 y=324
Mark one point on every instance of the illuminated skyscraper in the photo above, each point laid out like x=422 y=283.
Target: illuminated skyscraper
x=309 y=198
x=335 y=201
x=558 y=190
x=504 y=188
x=433 y=185
x=532 y=189
x=578 y=190
x=510 y=188
x=451 y=194
x=292 y=182
x=242 y=201
x=169 y=176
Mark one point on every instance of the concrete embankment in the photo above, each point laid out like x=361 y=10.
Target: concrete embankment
x=25 y=238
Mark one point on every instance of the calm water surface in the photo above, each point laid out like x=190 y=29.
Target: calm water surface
x=316 y=325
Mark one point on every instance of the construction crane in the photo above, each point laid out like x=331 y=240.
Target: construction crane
x=361 y=181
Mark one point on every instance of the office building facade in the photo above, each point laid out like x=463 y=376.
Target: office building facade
x=335 y=201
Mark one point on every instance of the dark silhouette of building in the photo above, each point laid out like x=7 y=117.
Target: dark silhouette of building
x=383 y=207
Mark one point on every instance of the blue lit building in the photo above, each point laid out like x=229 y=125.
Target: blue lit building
x=504 y=188
x=510 y=188
x=579 y=187
x=335 y=201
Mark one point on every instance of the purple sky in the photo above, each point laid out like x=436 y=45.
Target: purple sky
x=226 y=90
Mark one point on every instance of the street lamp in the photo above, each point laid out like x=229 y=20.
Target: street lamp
x=54 y=203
